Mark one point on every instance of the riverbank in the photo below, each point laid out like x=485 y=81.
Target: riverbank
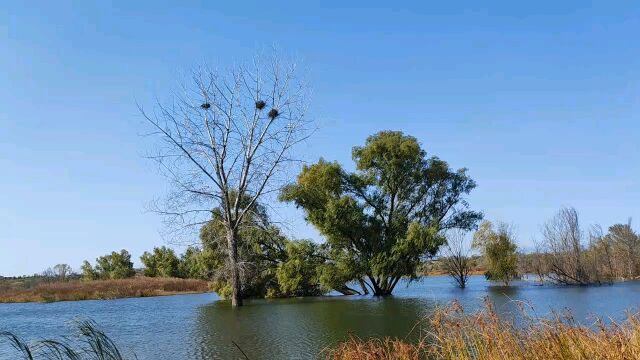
x=485 y=336
x=102 y=289
x=196 y=326
x=444 y=272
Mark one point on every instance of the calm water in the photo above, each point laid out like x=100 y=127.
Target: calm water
x=200 y=327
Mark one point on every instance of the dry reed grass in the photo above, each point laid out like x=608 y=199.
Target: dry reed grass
x=103 y=289
x=484 y=336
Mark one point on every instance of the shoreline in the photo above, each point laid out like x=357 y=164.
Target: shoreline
x=137 y=287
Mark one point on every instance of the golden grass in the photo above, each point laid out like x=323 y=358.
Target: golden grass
x=102 y=289
x=483 y=336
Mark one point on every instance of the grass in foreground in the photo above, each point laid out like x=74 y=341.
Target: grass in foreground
x=103 y=289
x=483 y=336
x=89 y=342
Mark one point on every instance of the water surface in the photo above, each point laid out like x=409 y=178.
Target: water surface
x=201 y=327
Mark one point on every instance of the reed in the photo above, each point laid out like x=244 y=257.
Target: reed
x=87 y=342
x=102 y=289
x=483 y=335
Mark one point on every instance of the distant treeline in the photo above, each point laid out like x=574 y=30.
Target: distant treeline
x=566 y=254
x=276 y=266
x=569 y=255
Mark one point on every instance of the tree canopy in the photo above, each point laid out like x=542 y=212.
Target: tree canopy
x=499 y=250
x=270 y=264
x=163 y=262
x=116 y=265
x=228 y=133
x=380 y=220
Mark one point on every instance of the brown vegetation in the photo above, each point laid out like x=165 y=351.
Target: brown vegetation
x=567 y=255
x=100 y=289
x=456 y=261
x=437 y=267
x=484 y=336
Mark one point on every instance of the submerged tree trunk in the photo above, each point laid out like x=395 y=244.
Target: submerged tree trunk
x=383 y=292
x=365 y=291
x=384 y=286
x=236 y=293
x=345 y=290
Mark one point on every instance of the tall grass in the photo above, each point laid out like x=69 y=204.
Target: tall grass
x=483 y=335
x=88 y=342
x=102 y=289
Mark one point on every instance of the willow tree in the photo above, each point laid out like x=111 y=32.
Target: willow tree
x=383 y=219
x=499 y=248
x=228 y=135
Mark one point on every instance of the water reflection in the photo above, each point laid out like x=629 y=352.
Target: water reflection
x=200 y=327
x=301 y=328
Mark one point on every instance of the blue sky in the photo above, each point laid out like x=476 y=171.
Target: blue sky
x=540 y=100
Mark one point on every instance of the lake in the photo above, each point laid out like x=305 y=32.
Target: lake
x=201 y=327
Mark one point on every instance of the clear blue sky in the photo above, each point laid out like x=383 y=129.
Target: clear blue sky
x=540 y=100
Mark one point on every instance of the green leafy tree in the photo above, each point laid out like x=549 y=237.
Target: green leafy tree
x=88 y=272
x=338 y=272
x=499 y=250
x=626 y=245
x=116 y=265
x=381 y=220
x=261 y=246
x=196 y=263
x=163 y=262
x=299 y=274
x=270 y=264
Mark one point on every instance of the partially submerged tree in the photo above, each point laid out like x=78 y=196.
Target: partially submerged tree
x=381 y=220
x=298 y=274
x=614 y=255
x=271 y=264
x=455 y=258
x=626 y=243
x=563 y=241
x=261 y=247
x=499 y=248
x=567 y=256
x=228 y=137
x=539 y=264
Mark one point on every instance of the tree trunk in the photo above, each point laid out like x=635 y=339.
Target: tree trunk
x=381 y=290
x=236 y=293
x=365 y=291
x=345 y=290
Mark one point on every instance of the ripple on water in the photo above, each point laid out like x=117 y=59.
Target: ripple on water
x=200 y=327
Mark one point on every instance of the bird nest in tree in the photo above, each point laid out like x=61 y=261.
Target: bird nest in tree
x=205 y=106
x=260 y=104
x=273 y=113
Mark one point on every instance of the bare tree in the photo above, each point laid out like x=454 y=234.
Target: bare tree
x=539 y=262
x=62 y=271
x=48 y=274
x=563 y=239
x=598 y=255
x=456 y=260
x=225 y=142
